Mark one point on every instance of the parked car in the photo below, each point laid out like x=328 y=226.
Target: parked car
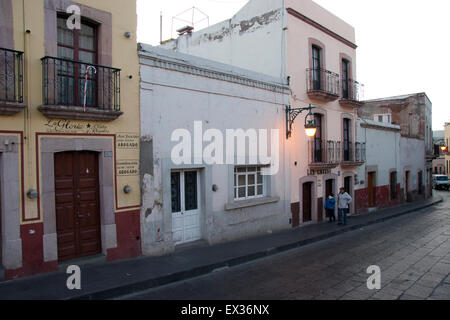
x=440 y=182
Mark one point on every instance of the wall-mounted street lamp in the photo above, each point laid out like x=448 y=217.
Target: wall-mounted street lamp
x=444 y=149
x=291 y=115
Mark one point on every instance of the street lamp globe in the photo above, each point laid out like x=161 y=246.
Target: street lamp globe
x=310 y=125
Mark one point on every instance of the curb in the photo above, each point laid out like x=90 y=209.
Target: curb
x=206 y=269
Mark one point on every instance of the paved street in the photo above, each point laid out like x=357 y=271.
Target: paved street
x=413 y=252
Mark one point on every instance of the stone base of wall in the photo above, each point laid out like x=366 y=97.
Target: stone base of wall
x=32 y=253
x=382 y=198
x=128 y=246
x=128 y=236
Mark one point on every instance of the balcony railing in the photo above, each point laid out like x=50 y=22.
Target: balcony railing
x=352 y=93
x=324 y=154
x=11 y=81
x=322 y=84
x=353 y=154
x=64 y=83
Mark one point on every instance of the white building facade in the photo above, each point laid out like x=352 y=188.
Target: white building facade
x=186 y=98
x=316 y=53
x=400 y=151
x=379 y=179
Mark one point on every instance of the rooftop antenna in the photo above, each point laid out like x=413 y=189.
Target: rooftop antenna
x=160 y=28
x=191 y=14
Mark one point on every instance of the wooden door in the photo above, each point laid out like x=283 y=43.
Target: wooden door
x=77 y=204
x=420 y=182
x=371 y=188
x=407 y=186
x=307 y=202
x=328 y=188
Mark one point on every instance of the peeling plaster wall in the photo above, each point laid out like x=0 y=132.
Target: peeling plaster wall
x=174 y=99
x=252 y=39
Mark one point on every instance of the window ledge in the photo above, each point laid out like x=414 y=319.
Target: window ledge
x=77 y=113
x=250 y=203
x=10 y=108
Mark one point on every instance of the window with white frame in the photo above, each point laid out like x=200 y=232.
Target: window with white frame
x=385 y=118
x=248 y=182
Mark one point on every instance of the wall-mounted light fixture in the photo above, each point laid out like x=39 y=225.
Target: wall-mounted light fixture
x=127 y=189
x=291 y=115
x=127 y=35
x=32 y=194
x=215 y=187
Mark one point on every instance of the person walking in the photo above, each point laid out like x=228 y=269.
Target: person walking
x=330 y=207
x=344 y=201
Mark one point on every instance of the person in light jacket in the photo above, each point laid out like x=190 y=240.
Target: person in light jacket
x=344 y=200
x=330 y=207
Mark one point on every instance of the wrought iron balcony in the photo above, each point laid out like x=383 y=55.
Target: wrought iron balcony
x=353 y=154
x=11 y=81
x=324 y=154
x=78 y=90
x=322 y=84
x=352 y=94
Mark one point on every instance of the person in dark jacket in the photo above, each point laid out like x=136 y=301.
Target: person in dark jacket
x=330 y=206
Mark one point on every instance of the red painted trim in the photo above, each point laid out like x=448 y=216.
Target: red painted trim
x=39 y=134
x=316 y=25
x=128 y=226
x=32 y=253
x=22 y=166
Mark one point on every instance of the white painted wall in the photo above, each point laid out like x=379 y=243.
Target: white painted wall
x=412 y=156
x=252 y=39
x=277 y=44
x=172 y=99
x=382 y=150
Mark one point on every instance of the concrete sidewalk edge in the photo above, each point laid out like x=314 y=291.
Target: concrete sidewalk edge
x=206 y=269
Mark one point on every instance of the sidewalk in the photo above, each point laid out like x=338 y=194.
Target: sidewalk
x=113 y=279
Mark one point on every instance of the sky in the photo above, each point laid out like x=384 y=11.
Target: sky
x=403 y=45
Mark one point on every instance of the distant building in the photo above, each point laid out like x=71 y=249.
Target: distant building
x=411 y=158
x=447 y=144
x=379 y=179
x=439 y=161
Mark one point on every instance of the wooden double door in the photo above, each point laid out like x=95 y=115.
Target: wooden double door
x=307 y=201
x=77 y=204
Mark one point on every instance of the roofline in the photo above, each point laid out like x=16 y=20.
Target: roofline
x=320 y=27
x=182 y=62
x=399 y=97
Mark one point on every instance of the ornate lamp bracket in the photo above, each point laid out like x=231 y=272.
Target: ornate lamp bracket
x=292 y=114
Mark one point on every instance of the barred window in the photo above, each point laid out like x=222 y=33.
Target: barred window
x=248 y=183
